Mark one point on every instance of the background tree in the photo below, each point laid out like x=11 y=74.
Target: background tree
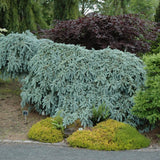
x=157 y=15
x=86 y=6
x=47 y=10
x=66 y=9
x=146 y=8
x=4 y=13
x=20 y=15
x=114 y=7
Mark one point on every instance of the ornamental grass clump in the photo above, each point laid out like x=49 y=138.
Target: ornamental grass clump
x=72 y=80
x=109 y=135
x=16 y=50
x=46 y=131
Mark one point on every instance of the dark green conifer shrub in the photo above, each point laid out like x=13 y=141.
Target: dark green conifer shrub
x=109 y=135
x=157 y=15
x=71 y=80
x=16 y=50
x=46 y=131
x=124 y=32
x=155 y=47
x=147 y=100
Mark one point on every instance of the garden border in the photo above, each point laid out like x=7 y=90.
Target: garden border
x=151 y=148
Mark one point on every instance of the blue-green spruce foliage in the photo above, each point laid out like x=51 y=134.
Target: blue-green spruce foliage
x=16 y=50
x=70 y=80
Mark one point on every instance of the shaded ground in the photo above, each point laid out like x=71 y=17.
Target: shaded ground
x=12 y=122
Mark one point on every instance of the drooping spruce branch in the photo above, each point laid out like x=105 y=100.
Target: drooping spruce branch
x=16 y=50
x=71 y=80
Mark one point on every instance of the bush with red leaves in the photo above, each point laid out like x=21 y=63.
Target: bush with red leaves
x=124 y=32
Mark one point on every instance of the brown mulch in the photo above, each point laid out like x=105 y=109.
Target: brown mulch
x=12 y=121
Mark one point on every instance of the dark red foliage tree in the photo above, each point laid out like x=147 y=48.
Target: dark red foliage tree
x=124 y=32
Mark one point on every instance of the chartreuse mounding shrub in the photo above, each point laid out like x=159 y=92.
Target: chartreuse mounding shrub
x=46 y=131
x=70 y=80
x=109 y=135
x=16 y=50
x=147 y=100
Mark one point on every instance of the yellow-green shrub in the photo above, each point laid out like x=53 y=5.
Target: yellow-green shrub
x=45 y=131
x=109 y=135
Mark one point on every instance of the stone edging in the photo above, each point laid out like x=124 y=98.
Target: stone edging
x=33 y=142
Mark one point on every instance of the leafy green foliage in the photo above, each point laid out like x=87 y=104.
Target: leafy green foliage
x=66 y=9
x=100 y=113
x=157 y=15
x=113 y=7
x=155 y=47
x=16 y=50
x=18 y=16
x=109 y=135
x=47 y=9
x=44 y=131
x=86 y=6
x=147 y=103
x=124 y=32
x=71 y=79
x=58 y=123
x=145 y=8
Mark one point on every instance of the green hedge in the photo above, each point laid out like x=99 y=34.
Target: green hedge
x=147 y=100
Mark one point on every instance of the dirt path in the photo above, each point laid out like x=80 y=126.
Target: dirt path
x=12 y=122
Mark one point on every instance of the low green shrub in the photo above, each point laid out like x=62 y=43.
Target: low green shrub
x=109 y=135
x=58 y=123
x=147 y=100
x=46 y=131
x=99 y=114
